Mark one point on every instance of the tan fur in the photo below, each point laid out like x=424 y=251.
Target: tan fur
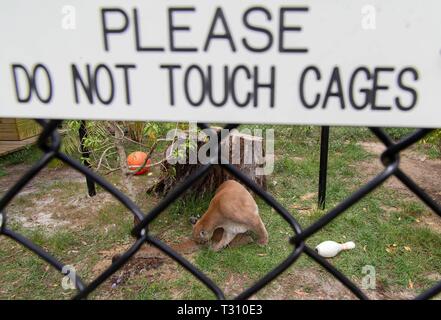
x=234 y=210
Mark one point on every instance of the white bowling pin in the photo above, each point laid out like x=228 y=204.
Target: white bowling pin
x=330 y=249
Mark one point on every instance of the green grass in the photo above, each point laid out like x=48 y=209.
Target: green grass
x=415 y=251
x=26 y=156
x=367 y=223
x=399 y=133
x=30 y=277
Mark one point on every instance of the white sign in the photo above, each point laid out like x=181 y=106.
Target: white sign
x=334 y=62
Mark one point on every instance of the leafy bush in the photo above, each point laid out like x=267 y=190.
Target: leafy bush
x=101 y=139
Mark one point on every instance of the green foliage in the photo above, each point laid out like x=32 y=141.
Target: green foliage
x=100 y=139
x=434 y=142
x=151 y=130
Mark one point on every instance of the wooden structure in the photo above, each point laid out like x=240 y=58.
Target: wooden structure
x=7 y=147
x=16 y=134
x=18 y=129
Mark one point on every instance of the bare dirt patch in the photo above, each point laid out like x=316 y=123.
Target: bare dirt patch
x=235 y=284
x=157 y=265
x=50 y=212
x=305 y=284
x=432 y=221
x=317 y=284
x=54 y=198
x=148 y=261
x=426 y=172
x=45 y=176
x=106 y=257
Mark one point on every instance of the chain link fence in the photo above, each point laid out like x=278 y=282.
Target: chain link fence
x=49 y=142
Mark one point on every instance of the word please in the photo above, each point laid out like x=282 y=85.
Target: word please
x=258 y=30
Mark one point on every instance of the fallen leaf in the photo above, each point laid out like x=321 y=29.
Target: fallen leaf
x=300 y=293
x=307 y=196
x=391 y=248
x=407 y=248
x=300 y=208
x=365 y=248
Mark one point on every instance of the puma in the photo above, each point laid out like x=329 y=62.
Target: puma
x=234 y=210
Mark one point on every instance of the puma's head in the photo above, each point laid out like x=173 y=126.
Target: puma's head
x=200 y=233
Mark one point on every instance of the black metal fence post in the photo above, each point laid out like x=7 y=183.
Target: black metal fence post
x=85 y=154
x=324 y=151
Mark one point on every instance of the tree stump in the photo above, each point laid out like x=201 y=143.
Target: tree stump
x=244 y=151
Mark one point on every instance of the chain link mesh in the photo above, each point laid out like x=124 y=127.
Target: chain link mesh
x=49 y=142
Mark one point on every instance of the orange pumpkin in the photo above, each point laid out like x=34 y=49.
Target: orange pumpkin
x=135 y=161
